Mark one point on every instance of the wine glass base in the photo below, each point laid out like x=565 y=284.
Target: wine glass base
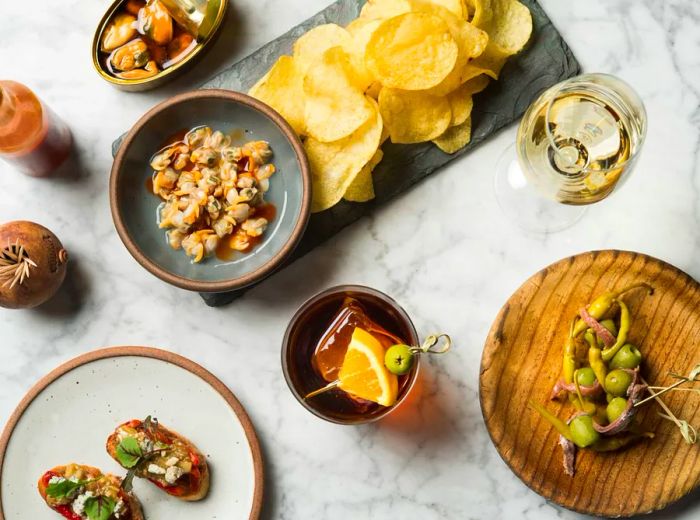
x=524 y=205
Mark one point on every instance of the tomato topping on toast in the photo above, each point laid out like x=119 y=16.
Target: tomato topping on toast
x=170 y=461
x=79 y=492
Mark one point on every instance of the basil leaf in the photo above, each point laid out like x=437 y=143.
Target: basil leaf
x=100 y=508
x=129 y=452
x=64 y=489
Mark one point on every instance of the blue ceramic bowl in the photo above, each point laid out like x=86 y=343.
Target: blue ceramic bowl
x=134 y=208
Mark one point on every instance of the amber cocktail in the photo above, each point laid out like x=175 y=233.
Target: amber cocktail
x=316 y=343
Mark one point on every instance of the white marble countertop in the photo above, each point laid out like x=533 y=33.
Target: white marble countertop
x=451 y=269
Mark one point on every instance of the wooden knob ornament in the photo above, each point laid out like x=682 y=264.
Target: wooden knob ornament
x=32 y=264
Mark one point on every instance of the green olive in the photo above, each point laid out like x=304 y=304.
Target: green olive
x=585 y=376
x=612 y=328
x=582 y=432
x=399 y=359
x=609 y=397
x=617 y=382
x=610 y=325
x=615 y=408
x=627 y=357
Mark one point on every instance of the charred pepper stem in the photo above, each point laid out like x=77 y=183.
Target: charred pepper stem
x=558 y=424
x=609 y=353
x=595 y=359
x=602 y=304
x=569 y=362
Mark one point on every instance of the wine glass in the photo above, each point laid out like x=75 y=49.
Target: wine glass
x=576 y=143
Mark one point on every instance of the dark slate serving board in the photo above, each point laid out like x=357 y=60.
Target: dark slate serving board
x=546 y=60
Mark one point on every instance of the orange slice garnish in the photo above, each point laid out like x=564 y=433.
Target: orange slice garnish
x=363 y=373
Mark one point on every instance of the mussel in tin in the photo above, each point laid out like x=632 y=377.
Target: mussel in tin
x=180 y=46
x=151 y=69
x=120 y=30
x=134 y=6
x=132 y=55
x=142 y=39
x=156 y=23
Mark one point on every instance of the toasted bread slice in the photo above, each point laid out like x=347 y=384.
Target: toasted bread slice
x=167 y=459
x=95 y=482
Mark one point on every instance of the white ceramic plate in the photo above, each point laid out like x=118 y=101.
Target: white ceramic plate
x=69 y=414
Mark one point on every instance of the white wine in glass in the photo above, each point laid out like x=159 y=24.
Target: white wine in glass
x=576 y=143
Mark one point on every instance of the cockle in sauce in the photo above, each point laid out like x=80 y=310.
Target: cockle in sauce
x=213 y=192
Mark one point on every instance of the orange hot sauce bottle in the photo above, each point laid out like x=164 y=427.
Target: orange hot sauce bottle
x=33 y=138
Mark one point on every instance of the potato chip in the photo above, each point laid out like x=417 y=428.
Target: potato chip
x=461 y=104
x=357 y=24
x=282 y=88
x=412 y=51
x=457 y=7
x=373 y=90
x=384 y=9
x=334 y=166
x=470 y=40
x=472 y=71
x=477 y=84
x=311 y=46
x=405 y=70
x=491 y=61
x=455 y=138
x=362 y=188
x=362 y=29
x=361 y=32
x=479 y=11
x=414 y=117
x=510 y=25
x=457 y=78
x=469 y=9
x=385 y=135
x=335 y=106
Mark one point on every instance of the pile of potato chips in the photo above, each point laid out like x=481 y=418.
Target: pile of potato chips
x=404 y=70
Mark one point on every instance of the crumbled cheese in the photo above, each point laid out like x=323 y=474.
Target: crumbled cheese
x=172 y=461
x=146 y=445
x=79 y=503
x=155 y=469
x=74 y=478
x=172 y=474
x=56 y=480
x=119 y=509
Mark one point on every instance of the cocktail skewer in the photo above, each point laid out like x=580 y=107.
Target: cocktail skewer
x=428 y=347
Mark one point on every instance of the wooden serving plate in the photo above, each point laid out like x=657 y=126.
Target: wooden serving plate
x=522 y=360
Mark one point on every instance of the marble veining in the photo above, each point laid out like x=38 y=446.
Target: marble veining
x=443 y=250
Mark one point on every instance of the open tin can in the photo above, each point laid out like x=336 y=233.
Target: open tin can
x=140 y=45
